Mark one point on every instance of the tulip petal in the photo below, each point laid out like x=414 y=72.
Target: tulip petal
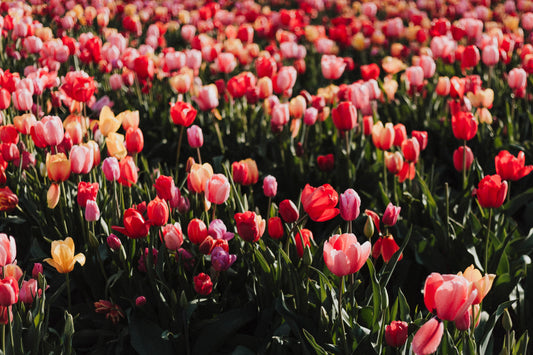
x=427 y=338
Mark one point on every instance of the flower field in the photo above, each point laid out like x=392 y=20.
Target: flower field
x=285 y=177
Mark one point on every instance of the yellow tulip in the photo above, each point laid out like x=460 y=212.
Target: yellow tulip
x=481 y=283
x=63 y=258
x=115 y=145
x=108 y=122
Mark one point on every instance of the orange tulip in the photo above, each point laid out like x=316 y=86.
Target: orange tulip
x=58 y=167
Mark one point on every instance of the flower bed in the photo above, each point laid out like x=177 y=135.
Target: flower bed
x=241 y=177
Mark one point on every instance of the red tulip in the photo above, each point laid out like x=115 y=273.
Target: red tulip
x=400 y=134
x=411 y=150
x=510 y=167
x=164 y=186
x=86 y=191
x=470 y=57
x=427 y=338
x=203 y=284
x=79 y=86
x=464 y=125
x=319 y=202
x=217 y=189
x=9 y=291
x=325 y=162
x=421 y=137
x=396 y=333
x=394 y=162
x=288 y=211
x=458 y=155
x=275 y=228
x=344 y=255
x=370 y=71
x=134 y=140
x=182 y=113
x=491 y=191
x=158 y=212
x=302 y=240
x=128 y=172
x=196 y=231
x=386 y=247
x=448 y=296
x=249 y=226
x=344 y=116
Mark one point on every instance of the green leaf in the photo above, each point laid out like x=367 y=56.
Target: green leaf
x=311 y=339
x=376 y=292
x=489 y=326
x=262 y=262
x=521 y=345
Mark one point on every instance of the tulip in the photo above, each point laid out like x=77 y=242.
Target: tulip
x=411 y=149
x=319 y=202
x=284 y=80
x=198 y=177
x=63 y=258
x=464 y=125
x=128 y=172
x=113 y=242
x=270 y=186
x=202 y=284
x=491 y=191
x=221 y=259
x=275 y=228
x=217 y=189
x=157 y=212
x=458 y=155
x=58 y=167
x=207 y=97
x=81 y=159
x=245 y=172
x=134 y=140
x=9 y=291
x=140 y=301
x=386 y=247
x=415 y=77
x=332 y=66
x=349 y=205
x=115 y=145
x=482 y=284
x=391 y=215
x=8 y=200
x=182 y=113
x=165 y=188
x=400 y=134
x=383 y=136
x=310 y=116
x=443 y=86
x=22 y=100
x=173 y=236
x=28 y=291
x=143 y=259
x=517 y=79
x=297 y=106
x=344 y=255
x=470 y=57
x=393 y=162
x=280 y=117
x=217 y=229
x=8 y=250
x=195 y=136
x=302 y=240
x=197 y=231
x=344 y=116
x=428 y=337
x=288 y=211
x=421 y=137
x=52 y=195
x=53 y=130
x=135 y=226
x=86 y=192
x=92 y=212
x=111 y=169
x=249 y=226
x=108 y=123
x=490 y=55
x=510 y=167
x=396 y=333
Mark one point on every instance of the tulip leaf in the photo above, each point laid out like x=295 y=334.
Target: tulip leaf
x=521 y=345
x=489 y=326
x=376 y=291
x=262 y=261
x=311 y=340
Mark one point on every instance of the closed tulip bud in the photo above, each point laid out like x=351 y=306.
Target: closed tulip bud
x=81 y=159
x=310 y=116
x=464 y=125
x=113 y=242
x=470 y=57
x=368 y=123
x=28 y=291
x=37 y=270
x=275 y=228
x=173 y=236
x=217 y=189
x=92 y=212
x=297 y=106
x=517 y=78
x=326 y=162
x=393 y=162
x=411 y=150
x=383 y=136
x=288 y=211
x=344 y=116
x=400 y=134
x=491 y=191
x=134 y=140
x=196 y=231
x=349 y=205
x=195 y=136
x=58 y=167
x=111 y=169
x=270 y=186
x=490 y=55
x=396 y=333
x=157 y=212
x=459 y=156
x=443 y=86
x=140 y=301
x=391 y=215
x=9 y=291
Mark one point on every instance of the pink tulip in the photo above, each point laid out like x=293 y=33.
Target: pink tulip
x=349 y=205
x=173 y=236
x=28 y=291
x=8 y=250
x=207 y=98
x=391 y=215
x=344 y=255
x=217 y=189
x=195 y=136
x=225 y=63
x=22 y=100
x=332 y=66
x=81 y=159
x=270 y=186
x=490 y=55
x=517 y=78
x=428 y=66
x=92 y=212
x=427 y=338
x=111 y=169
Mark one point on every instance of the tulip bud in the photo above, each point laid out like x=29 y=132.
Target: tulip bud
x=350 y=203
x=140 y=301
x=52 y=196
x=37 y=269
x=275 y=228
x=92 y=212
x=196 y=231
x=195 y=136
x=113 y=242
x=507 y=322
x=202 y=284
x=270 y=186
x=288 y=211
x=368 y=229
x=391 y=215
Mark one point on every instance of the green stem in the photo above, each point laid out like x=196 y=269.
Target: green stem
x=385 y=174
x=343 y=337
x=68 y=291
x=464 y=165
x=199 y=156
x=179 y=148
x=10 y=321
x=219 y=136
x=487 y=242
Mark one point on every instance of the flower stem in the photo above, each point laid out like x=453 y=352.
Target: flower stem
x=343 y=337
x=464 y=164
x=179 y=147
x=487 y=242
x=68 y=291
x=10 y=321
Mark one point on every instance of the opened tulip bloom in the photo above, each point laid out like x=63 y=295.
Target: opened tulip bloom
x=63 y=258
x=396 y=333
x=510 y=167
x=344 y=255
x=481 y=283
x=319 y=202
